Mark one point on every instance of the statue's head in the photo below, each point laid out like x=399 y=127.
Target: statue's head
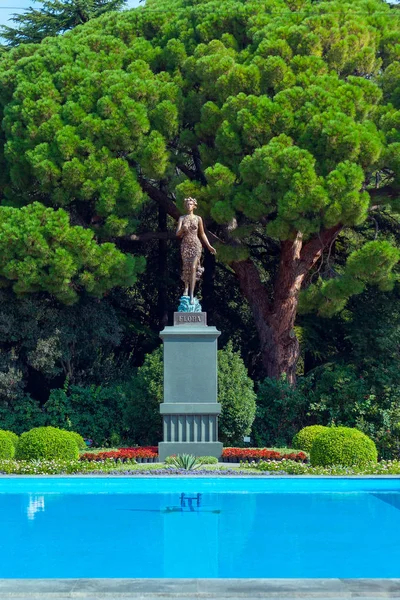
x=190 y=203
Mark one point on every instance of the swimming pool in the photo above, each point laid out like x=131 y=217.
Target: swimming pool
x=199 y=527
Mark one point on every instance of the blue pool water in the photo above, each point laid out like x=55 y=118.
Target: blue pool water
x=80 y=527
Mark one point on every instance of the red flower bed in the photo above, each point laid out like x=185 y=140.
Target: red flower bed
x=150 y=453
x=123 y=454
x=249 y=454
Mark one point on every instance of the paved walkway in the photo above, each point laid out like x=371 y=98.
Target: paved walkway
x=185 y=589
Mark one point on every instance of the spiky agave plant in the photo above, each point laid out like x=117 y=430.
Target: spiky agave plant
x=184 y=461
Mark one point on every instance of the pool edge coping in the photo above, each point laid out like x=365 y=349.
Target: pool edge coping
x=159 y=476
x=46 y=589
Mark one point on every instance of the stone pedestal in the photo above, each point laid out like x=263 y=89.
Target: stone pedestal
x=190 y=409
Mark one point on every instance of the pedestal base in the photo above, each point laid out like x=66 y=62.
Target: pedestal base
x=190 y=409
x=166 y=449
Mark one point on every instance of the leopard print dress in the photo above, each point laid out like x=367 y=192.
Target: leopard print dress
x=191 y=249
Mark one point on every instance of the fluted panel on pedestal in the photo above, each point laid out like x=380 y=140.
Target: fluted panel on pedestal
x=190 y=428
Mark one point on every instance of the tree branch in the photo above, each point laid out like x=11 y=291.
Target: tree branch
x=386 y=190
x=188 y=172
x=161 y=198
x=152 y=235
x=313 y=249
x=197 y=163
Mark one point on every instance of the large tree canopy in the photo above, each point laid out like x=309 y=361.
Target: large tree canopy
x=280 y=116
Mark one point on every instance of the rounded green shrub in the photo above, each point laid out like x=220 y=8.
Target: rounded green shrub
x=12 y=436
x=342 y=446
x=78 y=438
x=303 y=440
x=208 y=460
x=7 y=448
x=48 y=443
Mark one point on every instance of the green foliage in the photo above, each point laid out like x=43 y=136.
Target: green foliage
x=144 y=395
x=54 y=17
x=7 y=447
x=281 y=412
x=96 y=412
x=291 y=467
x=41 y=467
x=57 y=466
x=78 y=439
x=70 y=467
x=21 y=414
x=352 y=371
x=383 y=426
x=337 y=394
x=282 y=121
x=366 y=397
x=304 y=439
x=237 y=397
x=42 y=338
x=47 y=443
x=13 y=437
x=188 y=462
x=208 y=460
x=372 y=264
x=342 y=446
x=40 y=251
x=235 y=393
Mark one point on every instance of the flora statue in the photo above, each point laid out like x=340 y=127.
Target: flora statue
x=191 y=231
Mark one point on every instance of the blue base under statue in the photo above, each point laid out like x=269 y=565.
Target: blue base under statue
x=185 y=306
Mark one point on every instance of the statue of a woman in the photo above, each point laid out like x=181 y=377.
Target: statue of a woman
x=191 y=231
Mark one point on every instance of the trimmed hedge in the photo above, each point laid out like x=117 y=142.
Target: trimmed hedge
x=48 y=443
x=13 y=437
x=7 y=448
x=303 y=440
x=343 y=446
x=78 y=439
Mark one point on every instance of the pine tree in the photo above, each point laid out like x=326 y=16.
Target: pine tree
x=54 y=17
x=280 y=116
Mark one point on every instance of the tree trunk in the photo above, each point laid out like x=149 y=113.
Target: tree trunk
x=208 y=285
x=275 y=317
x=162 y=301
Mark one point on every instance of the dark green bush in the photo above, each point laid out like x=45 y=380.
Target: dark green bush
x=145 y=393
x=96 y=412
x=337 y=394
x=7 y=448
x=236 y=396
x=342 y=446
x=22 y=414
x=303 y=440
x=281 y=412
x=48 y=443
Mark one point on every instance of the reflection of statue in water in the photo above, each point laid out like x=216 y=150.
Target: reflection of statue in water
x=191 y=231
